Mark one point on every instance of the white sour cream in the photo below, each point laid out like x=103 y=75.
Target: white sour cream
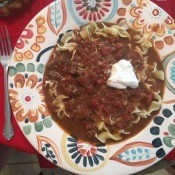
x=122 y=75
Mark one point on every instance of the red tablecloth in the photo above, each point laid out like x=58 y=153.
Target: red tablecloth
x=16 y=24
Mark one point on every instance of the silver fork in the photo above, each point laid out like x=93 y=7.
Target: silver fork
x=5 y=53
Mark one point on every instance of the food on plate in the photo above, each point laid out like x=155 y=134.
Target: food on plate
x=103 y=82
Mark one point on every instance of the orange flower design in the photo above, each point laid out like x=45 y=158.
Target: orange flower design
x=27 y=100
x=149 y=18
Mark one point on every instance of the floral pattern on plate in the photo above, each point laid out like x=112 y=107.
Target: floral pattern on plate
x=167 y=132
x=24 y=103
x=83 y=156
x=92 y=10
x=56 y=18
x=49 y=149
x=154 y=24
x=135 y=154
x=158 y=24
x=33 y=42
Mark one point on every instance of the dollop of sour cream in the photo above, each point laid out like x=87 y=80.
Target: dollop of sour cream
x=122 y=75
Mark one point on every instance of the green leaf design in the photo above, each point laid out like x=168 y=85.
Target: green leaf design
x=27 y=129
x=55 y=14
x=40 y=68
x=30 y=67
x=20 y=67
x=171 y=129
x=47 y=122
x=38 y=126
x=12 y=71
x=168 y=141
x=135 y=154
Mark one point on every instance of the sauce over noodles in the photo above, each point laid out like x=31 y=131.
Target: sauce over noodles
x=75 y=86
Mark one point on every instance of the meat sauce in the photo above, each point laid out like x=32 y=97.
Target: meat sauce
x=83 y=80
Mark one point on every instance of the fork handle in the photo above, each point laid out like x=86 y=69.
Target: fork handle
x=8 y=131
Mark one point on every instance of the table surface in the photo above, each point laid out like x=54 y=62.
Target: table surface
x=15 y=25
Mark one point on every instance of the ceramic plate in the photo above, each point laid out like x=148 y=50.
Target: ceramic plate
x=30 y=56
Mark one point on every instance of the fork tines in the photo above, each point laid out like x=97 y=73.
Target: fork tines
x=5 y=43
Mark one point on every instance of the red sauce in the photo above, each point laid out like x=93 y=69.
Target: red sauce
x=83 y=80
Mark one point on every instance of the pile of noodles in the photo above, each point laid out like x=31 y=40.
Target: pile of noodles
x=87 y=32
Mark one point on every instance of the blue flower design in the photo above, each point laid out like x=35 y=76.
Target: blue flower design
x=87 y=154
